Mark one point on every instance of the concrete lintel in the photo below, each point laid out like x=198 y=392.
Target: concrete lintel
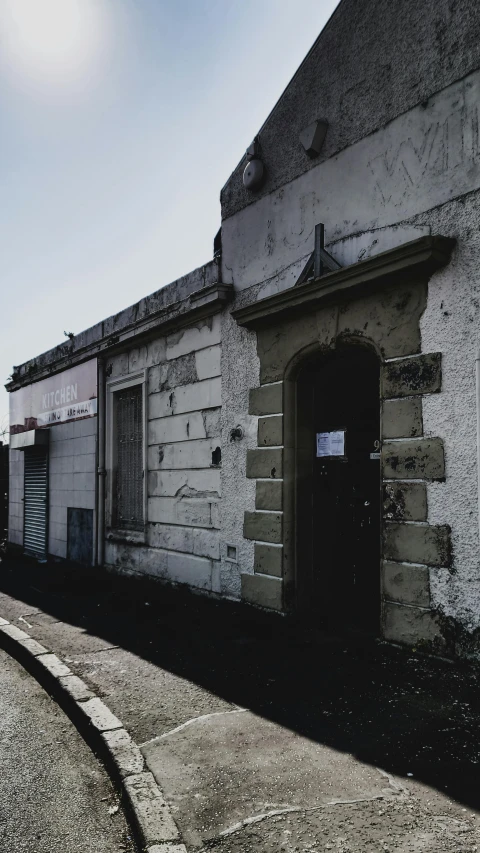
x=418 y=258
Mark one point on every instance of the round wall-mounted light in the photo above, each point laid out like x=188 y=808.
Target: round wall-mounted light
x=253 y=174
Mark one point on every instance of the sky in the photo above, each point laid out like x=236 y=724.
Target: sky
x=120 y=121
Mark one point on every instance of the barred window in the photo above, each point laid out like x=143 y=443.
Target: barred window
x=128 y=505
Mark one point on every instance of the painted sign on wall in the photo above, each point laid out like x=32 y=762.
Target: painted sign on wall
x=67 y=396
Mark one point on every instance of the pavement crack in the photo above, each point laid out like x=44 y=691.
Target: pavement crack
x=394 y=783
x=193 y=720
x=237 y=827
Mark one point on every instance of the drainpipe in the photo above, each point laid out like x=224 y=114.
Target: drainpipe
x=101 y=463
x=477 y=365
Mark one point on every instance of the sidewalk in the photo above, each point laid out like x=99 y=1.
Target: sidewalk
x=260 y=739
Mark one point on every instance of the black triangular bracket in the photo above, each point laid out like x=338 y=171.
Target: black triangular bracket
x=320 y=261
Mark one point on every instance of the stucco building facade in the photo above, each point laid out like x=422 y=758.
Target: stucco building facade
x=295 y=425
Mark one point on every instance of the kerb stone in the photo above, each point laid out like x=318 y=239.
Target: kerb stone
x=54 y=665
x=76 y=688
x=33 y=647
x=150 y=808
x=14 y=632
x=126 y=753
x=167 y=848
x=100 y=716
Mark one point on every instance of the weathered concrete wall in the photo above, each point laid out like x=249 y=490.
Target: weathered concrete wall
x=418 y=175
x=184 y=397
x=365 y=195
x=373 y=61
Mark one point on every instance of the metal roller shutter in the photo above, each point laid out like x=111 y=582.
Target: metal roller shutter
x=35 y=503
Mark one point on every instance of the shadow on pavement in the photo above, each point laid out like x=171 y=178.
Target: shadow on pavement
x=388 y=707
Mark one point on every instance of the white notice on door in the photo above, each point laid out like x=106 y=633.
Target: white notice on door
x=331 y=443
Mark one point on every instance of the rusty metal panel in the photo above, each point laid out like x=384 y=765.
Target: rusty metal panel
x=129 y=461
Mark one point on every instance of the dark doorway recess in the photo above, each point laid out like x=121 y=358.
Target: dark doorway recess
x=338 y=497
x=80 y=536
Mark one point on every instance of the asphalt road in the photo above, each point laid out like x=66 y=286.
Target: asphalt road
x=54 y=794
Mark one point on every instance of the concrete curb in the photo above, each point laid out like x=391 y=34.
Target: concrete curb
x=155 y=827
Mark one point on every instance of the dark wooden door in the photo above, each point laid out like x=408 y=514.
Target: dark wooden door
x=338 y=553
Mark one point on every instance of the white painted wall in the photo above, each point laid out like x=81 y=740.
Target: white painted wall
x=72 y=481
x=72 y=477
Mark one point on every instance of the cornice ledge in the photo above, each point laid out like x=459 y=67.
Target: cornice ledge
x=419 y=258
x=198 y=305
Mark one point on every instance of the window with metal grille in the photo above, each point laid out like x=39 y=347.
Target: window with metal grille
x=128 y=493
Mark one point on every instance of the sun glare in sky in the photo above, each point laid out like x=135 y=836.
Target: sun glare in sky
x=51 y=40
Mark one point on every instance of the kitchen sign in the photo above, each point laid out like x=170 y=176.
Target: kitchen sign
x=67 y=396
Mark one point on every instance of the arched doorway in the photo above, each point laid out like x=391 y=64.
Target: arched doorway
x=338 y=490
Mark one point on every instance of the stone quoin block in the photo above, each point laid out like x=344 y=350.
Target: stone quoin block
x=127 y=755
x=263 y=526
x=421 y=459
x=264 y=463
x=262 y=590
x=266 y=400
x=270 y=431
x=418 y=543
x=406 y=583
x=405 y=377
x=268 y=559
x=410 y=625
x=405 y=501
x=269 y=494
x=402 y=418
